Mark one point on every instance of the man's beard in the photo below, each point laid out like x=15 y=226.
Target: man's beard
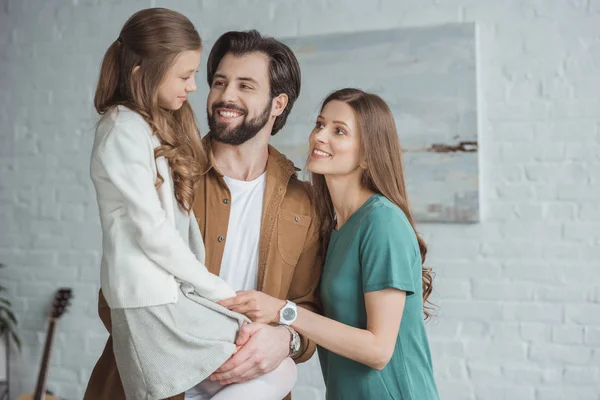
x=236 y=135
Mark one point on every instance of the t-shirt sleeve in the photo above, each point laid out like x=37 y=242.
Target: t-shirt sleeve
x=388 y=251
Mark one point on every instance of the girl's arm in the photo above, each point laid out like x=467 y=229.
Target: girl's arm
x=126 y=154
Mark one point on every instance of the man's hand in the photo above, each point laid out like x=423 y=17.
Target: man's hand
x=257 y=306
x=242 y=337
x=267 y=347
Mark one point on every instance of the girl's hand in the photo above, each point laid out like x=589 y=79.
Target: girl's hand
x=257 y=306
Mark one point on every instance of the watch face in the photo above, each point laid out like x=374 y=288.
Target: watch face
x=289 y=314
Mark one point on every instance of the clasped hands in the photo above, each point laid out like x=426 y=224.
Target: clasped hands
x=260 y=347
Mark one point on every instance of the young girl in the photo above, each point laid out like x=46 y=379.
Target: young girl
x=372 y=339
x=168 y=332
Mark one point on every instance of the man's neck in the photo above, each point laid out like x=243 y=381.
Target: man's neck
x=244 y=162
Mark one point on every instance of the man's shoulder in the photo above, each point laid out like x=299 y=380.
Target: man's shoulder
x=297 y=196
x=297 y=192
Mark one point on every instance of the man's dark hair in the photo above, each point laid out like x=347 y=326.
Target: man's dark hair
x=284 y=70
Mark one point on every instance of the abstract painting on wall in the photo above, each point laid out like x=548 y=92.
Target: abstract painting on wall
x=427 y=75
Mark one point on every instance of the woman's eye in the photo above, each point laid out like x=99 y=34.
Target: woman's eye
x=340 y=132
x=319 y=125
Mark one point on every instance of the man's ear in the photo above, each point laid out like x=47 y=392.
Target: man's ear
x=279 y=104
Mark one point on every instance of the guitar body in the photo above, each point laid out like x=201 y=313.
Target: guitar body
x=30 y=397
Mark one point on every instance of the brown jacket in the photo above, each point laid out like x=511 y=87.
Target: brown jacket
x=288 y=264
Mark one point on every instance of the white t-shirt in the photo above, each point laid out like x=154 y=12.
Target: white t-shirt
x=239 y=266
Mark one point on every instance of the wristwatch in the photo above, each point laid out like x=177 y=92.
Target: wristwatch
x=294 y=340
x=288 y=314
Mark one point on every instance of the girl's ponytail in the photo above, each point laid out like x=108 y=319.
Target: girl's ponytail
x=107 y=91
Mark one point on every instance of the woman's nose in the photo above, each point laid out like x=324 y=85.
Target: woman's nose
x=320 y=136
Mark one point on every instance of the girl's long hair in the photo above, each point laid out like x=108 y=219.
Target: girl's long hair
x=151 y=39
x=384 y=174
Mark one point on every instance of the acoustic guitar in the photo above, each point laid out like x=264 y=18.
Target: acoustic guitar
x=62 y=300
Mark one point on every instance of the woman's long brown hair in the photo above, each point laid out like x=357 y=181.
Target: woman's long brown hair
x=384 y=174
x=151 y=39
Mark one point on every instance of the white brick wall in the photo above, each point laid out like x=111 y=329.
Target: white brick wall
x=519 y=292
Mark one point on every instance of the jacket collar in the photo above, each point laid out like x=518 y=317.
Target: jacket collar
x=277 y=163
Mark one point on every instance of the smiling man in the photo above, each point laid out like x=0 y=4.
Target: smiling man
x=237 y=116
x=259 y=226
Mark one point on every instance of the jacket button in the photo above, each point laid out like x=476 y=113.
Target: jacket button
x=297 y=219
x=226 y=201
x=220 y=238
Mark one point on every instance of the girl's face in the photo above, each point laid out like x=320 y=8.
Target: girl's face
x=334 y=141
x=179 y=80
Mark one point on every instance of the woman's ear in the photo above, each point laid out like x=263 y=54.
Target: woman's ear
x=279 y=104
x=363 y=162
x=135 y=69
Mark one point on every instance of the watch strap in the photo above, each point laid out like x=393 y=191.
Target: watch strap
x=295 y=342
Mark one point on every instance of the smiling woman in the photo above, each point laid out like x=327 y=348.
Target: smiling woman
x=374 y=288
x=335 y=144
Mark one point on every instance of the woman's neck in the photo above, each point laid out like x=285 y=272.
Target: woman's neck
x=347 y=195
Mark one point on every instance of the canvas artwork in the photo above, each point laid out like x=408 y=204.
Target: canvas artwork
x=427 y=75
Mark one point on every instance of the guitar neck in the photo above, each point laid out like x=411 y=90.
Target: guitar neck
x=40 y=388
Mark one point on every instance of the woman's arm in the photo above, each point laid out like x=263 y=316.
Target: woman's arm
x=373 y=346
x=388 y=253
x=126 y=155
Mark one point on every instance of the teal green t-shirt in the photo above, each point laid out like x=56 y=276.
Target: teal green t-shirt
x=374 y=250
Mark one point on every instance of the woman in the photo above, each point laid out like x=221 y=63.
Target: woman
x=372 y=339
x=168 y=332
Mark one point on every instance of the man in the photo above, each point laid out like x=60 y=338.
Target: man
x=259 y=227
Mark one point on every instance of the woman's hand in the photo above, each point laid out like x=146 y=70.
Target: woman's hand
x=257 y=306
